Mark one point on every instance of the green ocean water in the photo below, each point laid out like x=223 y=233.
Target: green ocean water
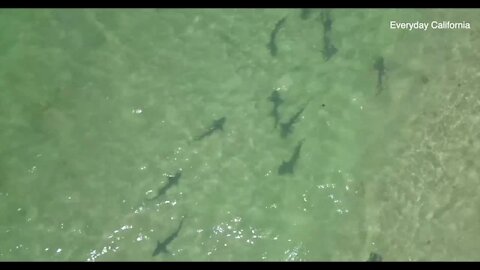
x=99 y=107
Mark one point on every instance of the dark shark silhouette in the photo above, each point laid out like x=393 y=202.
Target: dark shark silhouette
x=272 y=44
x=329 y=50
x=305 y=13
x=172 y=181
x=374 y=257
x=287 y=167
x=380 y=68
x=216 y=125
x=162 y=246
x=327 y=22
x=287 y=128
x=276 y=100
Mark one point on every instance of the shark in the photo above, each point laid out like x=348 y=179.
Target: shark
x=172 y=181
x=217 y=125
x=272 y=44
x=379 y=66
x=305 y=13
x=374 y=257
x=327 y=22
x=329 y=50
x=162 y=247
x=287 y=127
x=287 y=167
x=277 y=101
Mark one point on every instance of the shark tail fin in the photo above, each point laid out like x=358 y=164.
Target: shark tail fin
x=285 y=168
x=160 y=249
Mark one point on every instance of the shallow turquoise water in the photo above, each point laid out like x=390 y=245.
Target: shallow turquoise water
x=99 y=106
